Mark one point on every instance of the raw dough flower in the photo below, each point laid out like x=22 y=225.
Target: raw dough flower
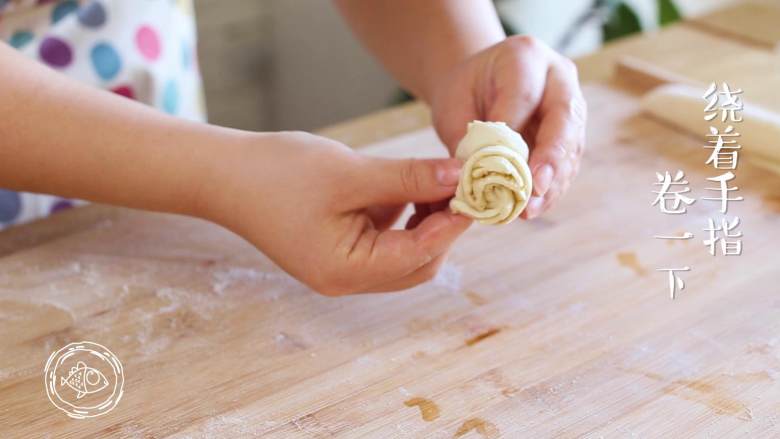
x=495 y=183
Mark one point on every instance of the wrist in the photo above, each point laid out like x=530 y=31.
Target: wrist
x=215 y=181
x=240 y=177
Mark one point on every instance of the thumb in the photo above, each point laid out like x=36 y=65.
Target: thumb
x=404 y=181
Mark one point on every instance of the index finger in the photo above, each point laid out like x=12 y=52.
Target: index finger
x=560 y=139
x=383 y=257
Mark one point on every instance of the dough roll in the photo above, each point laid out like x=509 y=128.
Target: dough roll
x=495 y=183
x=683 y=106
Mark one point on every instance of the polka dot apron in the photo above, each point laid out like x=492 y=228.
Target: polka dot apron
x=139 y=49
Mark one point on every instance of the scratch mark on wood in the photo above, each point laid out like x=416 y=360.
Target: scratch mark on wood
x=419 y=355
x=479 y=337
x=475 y=298
x=496 y=378
x=288 y=343
x=310 y=425
x=651 y=375
x=707 y=394
x=709 y=391
x=762 y=349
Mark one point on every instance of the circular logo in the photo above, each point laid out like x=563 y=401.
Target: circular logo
x=84 y=380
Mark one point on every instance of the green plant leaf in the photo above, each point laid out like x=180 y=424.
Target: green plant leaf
x=401 y=96
x=668 y=12
x=509 y=29
x=611 y=4
x=622 y=21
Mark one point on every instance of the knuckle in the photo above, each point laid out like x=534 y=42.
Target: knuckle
x=566 y=168
x=525 y=42
x=571 y=170
x=579 y=150
x=557 y=153
x=552 y=194
x=569 y=65
x=526 y=94
x=578 y=109
x=410 y=178
x=570 y=174
x=574 y=110
x=574 y=173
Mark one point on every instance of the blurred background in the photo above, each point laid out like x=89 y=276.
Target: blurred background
x=293 y=64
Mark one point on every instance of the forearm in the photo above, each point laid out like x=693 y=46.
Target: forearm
x=419 y=40
x=61 y=137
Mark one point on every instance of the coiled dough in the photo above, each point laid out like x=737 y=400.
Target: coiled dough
x=495 y=183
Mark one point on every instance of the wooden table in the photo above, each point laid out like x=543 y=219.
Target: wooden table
x=559 y=327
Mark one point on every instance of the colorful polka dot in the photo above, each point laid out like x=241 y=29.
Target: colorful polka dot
x=20 y=38
x=148 y=42
x=10 y=205
x=124 y=90
x=92 y=15
x=126 y=55
x=60 y=205
x=186 y=55
x=62 y=9
x=106 y=61
x=55 y=52
x=170 y=98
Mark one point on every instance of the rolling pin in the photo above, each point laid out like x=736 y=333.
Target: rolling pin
x=679 y=102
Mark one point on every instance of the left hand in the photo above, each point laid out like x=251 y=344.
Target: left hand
x=323 y=212
x=536 y=91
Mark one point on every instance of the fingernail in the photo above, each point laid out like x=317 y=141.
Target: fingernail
x=534 y=207
x=542 y=179
x=447 y=175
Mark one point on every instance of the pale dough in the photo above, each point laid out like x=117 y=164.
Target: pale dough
x=683 y=106
x=495 y=183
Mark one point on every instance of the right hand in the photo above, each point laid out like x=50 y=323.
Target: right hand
x=323 y=212
x=536 y=91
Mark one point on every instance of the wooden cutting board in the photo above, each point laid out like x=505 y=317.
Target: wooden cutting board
x=555 y=327
x=753 y=22
x=700 y=56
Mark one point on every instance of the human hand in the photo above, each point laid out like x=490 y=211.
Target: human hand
x=534 y=90
x=323 y=212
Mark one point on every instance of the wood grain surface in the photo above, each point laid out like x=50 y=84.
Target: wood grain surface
x=558 y=327
x=752 y=22
x=702 y=57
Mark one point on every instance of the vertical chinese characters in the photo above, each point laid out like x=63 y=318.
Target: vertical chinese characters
x=724 y=107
